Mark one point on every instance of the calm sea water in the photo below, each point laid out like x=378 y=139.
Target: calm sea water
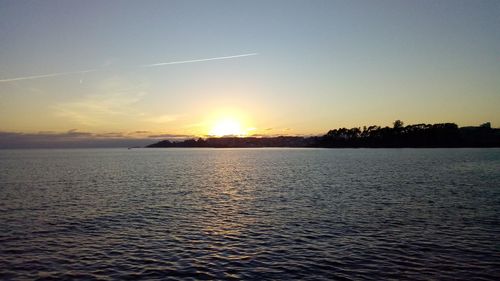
x=311 y=214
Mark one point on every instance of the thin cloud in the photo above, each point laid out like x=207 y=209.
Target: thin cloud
x=69 y=139
x=99 y=109
x=110 y=135
x=73 y=133
x=199 y=60
x=57 y=74
x=111 y=101
x=171 y=136
x=47 y=75
x=162 y=119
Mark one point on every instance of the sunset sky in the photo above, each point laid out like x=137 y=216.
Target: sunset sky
x=309 y=66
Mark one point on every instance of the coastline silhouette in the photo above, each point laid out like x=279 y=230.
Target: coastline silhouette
x=398 y=136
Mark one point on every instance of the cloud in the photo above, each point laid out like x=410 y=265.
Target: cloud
x=113 y=102
x=80 y=139
x=171 y=136
x=162 y=119
x=261 y=135
x=70 y=139
x=110 y=135
x=47 y=75
x=199 y=60
x=113 y=99
x=73 y=133
x=57 y=74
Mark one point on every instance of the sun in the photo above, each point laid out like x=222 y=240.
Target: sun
x=227 y=127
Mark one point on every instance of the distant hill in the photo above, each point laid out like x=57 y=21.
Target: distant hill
x=239 y=142
x=417 y=135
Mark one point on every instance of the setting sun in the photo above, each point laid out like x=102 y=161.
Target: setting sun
x=227 y=127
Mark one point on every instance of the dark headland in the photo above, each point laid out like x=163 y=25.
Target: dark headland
x=398 y=136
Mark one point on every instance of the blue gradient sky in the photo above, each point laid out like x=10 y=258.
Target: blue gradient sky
x=321 y=65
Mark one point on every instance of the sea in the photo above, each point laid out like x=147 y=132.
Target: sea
x=250 y=214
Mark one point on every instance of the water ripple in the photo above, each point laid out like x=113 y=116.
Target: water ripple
x=270 y=214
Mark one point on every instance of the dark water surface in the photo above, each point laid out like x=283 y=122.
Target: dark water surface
x=339 y=214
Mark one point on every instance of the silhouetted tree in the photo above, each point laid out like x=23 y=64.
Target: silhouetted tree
x=417 y=135
x=486 y=125
x=398 y=124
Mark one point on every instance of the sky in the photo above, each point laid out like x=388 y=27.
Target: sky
x=176 y=69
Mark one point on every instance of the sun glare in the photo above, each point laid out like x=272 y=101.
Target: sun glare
x=227 y=127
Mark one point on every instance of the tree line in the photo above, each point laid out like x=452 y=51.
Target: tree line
x=417 y=135
x=399 y=135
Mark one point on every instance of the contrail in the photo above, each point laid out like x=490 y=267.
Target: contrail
x=146 y=65
x=47 y=75
x=198 y=60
